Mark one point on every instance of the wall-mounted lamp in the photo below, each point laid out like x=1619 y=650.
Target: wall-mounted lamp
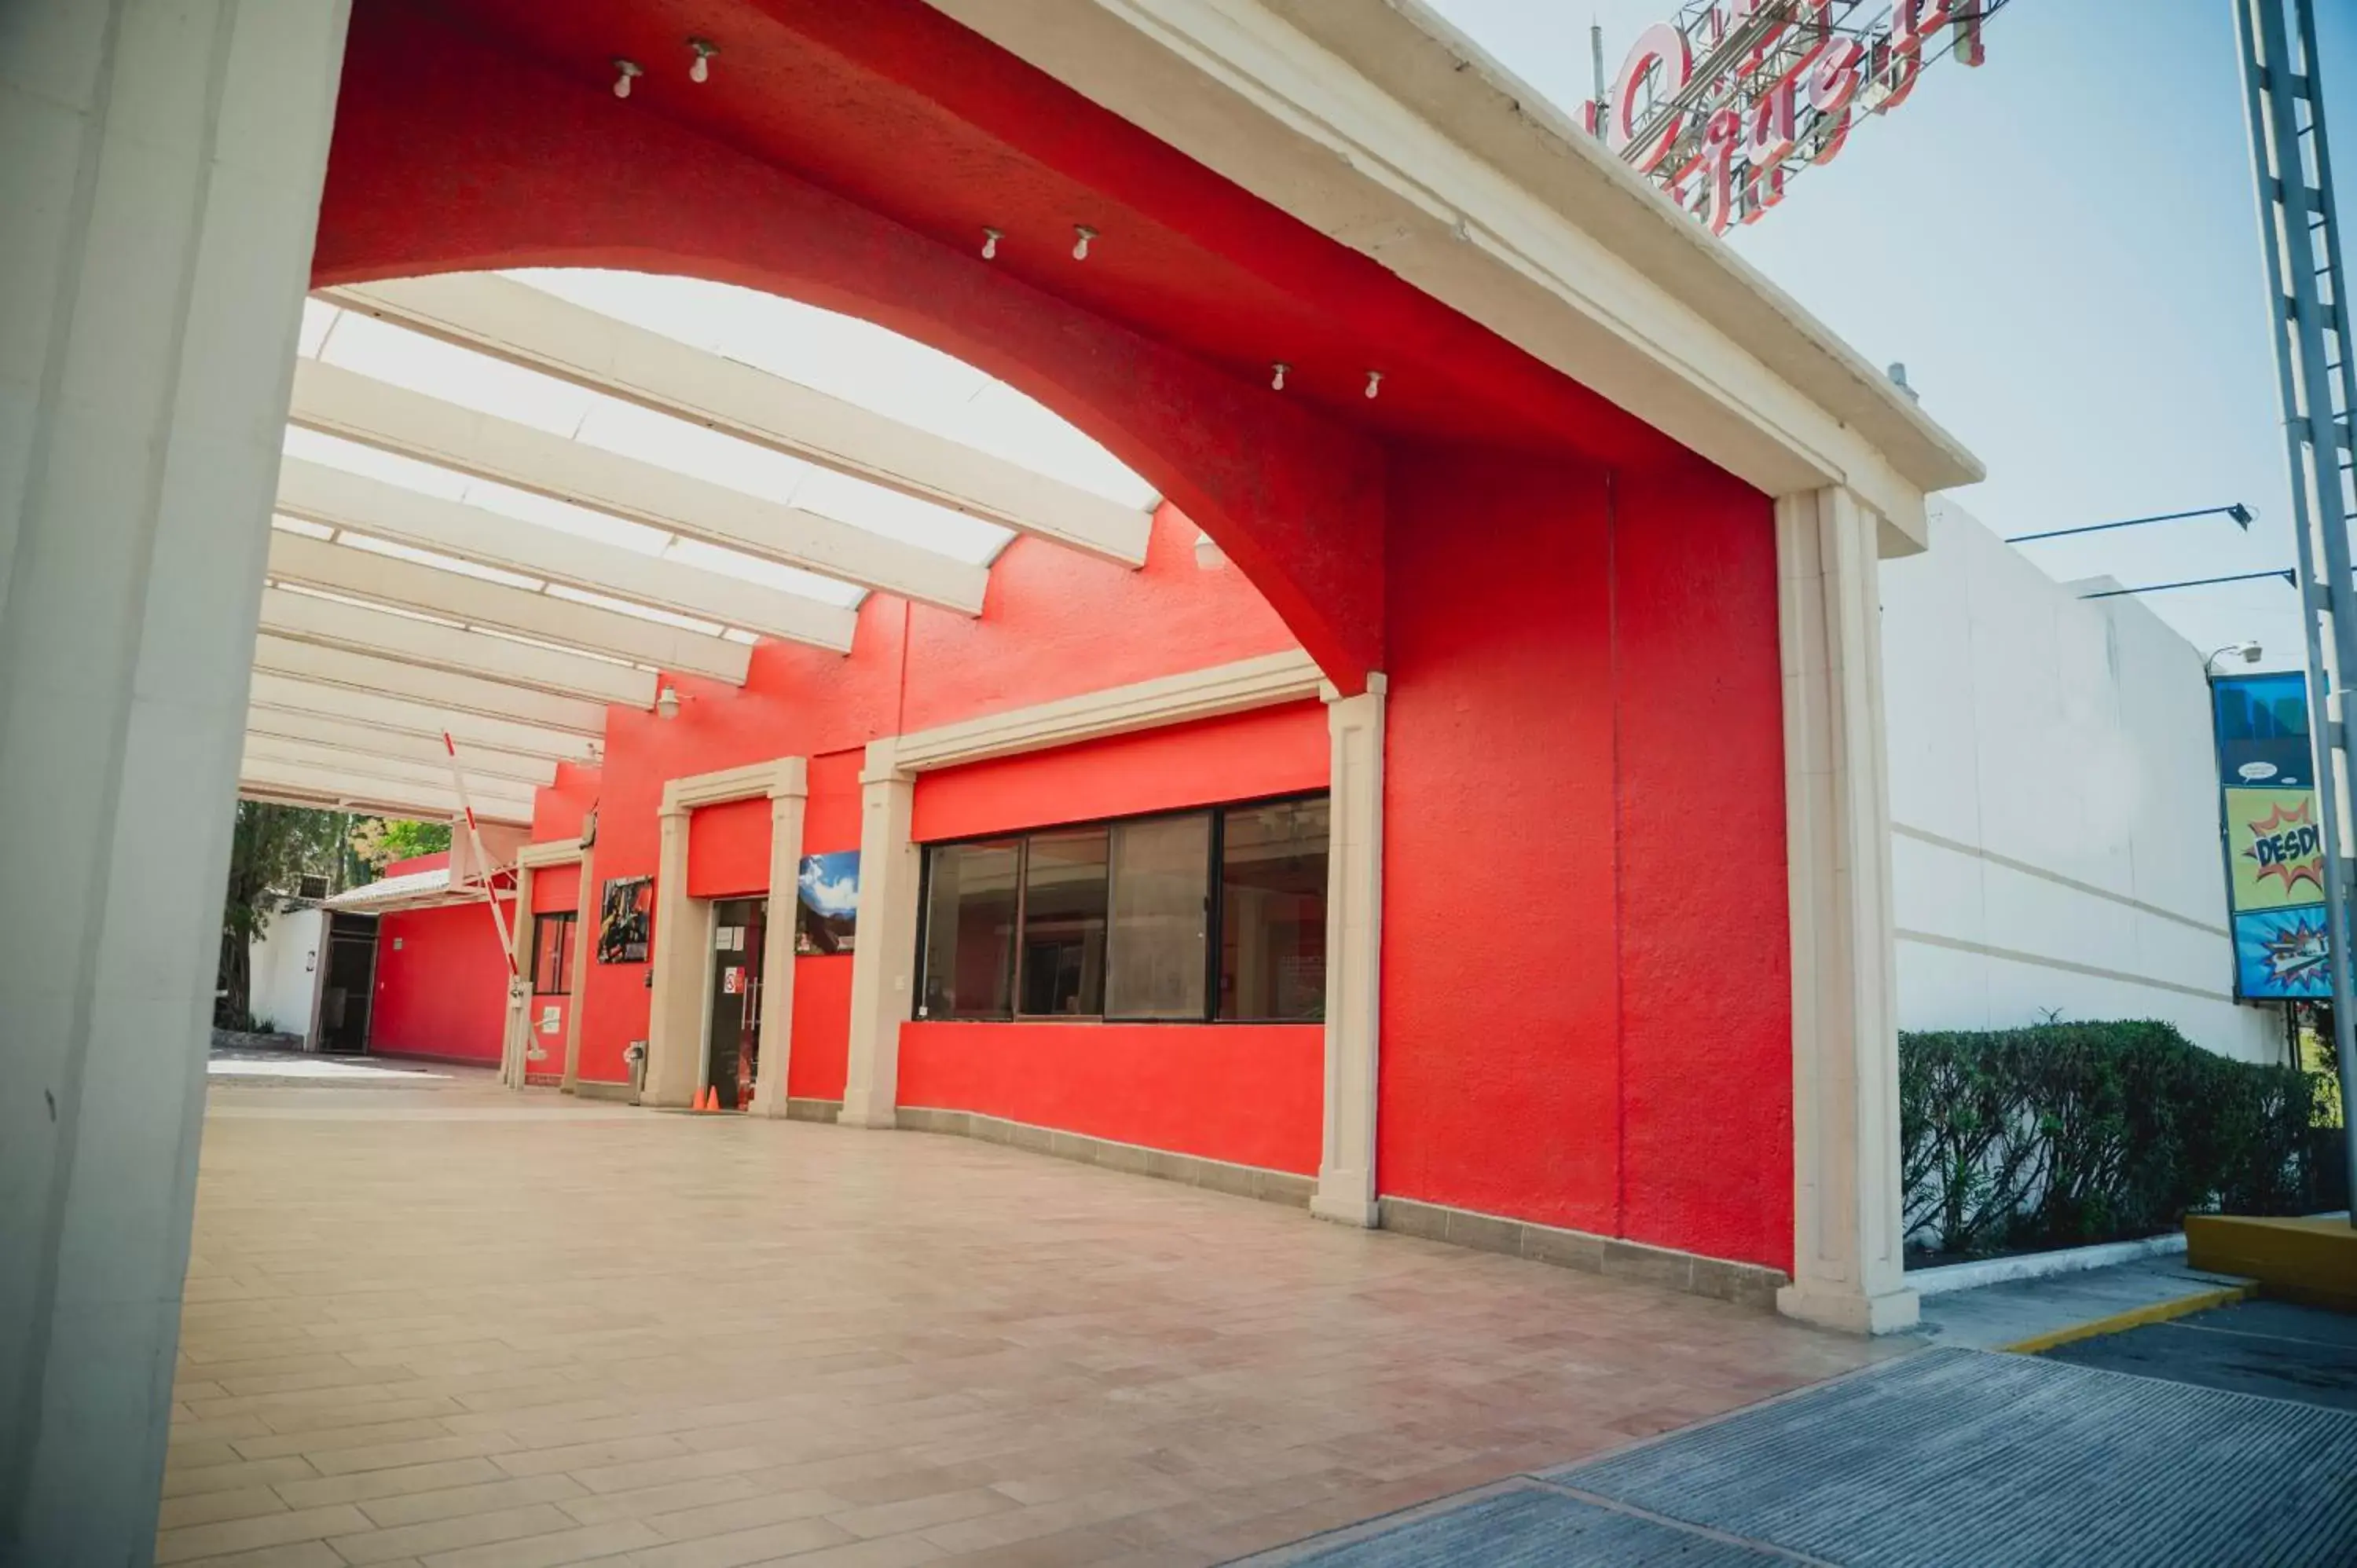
x=1276 y=379
x=1209 y=556
x=1374 y=384
x=2248 y=651
x=700 y=69
x=990 y=238
x=624 y=70
x=667 y=702
x=1082 y=234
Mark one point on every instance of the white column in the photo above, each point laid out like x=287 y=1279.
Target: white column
x=675 y=1018
x=158 y=196
x=584 y=927
x=884 y=954
x=517 y=1037
x=1354 y=945
x=1848 y=1268
x=788 y=798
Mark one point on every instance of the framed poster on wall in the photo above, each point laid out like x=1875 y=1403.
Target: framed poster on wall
x=624 y=916
x=826 y=904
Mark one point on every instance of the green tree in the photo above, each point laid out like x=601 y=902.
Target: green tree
x=378 y=841
x=271 y=849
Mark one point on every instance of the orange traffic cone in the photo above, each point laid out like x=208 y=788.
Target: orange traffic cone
x=704 y=1098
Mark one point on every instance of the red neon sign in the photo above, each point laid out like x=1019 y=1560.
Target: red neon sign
x=1721 y=106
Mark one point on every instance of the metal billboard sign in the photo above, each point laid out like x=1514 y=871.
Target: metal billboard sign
x=2274 y=838
x=1723 y=104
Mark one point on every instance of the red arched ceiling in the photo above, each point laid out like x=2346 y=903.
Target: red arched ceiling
x=849 y=156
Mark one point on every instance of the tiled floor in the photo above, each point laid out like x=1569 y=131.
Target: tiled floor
x=452 y=1327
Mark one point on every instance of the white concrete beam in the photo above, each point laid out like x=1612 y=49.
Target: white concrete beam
x=300 y=702
x=529 y=326
x=335 y=498
x=439 y=689
x=411 y=584
x=358 y=740
x=306 y=618
x=341 y=402
x=356 y=789
x=434 y=773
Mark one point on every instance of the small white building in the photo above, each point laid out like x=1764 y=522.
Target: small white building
x=2054 y=802
x=285 y=966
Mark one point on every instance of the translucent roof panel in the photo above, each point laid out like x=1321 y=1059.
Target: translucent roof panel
x=858 y=361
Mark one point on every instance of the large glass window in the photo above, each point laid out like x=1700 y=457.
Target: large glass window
x=1161 y=917
x=552 y=954
x=1193 y=916
x=1272 y=911
x=1064 y=923
x=970 y=908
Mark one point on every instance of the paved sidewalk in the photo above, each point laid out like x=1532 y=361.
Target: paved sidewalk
x=450 y=1326
x=2037 y=1314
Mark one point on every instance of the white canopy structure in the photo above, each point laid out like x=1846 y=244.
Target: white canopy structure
x=510 y=501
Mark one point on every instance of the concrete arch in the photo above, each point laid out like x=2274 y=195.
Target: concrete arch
x=451 y=155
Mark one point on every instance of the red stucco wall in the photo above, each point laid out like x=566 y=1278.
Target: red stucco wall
x=442 y=991
x=1247 y=1092
x=1586 y=991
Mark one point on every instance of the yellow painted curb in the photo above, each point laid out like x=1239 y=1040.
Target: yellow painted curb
x=2135 y=1317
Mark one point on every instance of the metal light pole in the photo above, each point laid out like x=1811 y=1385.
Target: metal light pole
x=2309 y=316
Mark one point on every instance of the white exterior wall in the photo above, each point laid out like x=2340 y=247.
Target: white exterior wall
x=2054 y=804
x=284 y=972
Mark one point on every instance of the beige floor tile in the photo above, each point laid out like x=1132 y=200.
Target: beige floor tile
x=210 y=1508
x=196 y=1541
x=450 y=1533
x=687 y=1339
x=452 y=1502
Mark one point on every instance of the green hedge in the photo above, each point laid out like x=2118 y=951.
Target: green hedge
x=2068 y=1133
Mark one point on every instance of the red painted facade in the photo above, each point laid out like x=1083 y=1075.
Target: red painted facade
x=441 y=985
x=1585 y=992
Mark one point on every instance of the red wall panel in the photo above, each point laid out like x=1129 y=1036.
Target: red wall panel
x=1277 y=751
x=442 y=990
x=1586 y=1010
x=1706 y=954
x=728 y=850
x=1249 y=1093
x=1500 y=1085
x=556 y=888
x=822 y=1047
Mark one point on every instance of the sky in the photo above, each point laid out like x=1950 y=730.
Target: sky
x=2062 y=247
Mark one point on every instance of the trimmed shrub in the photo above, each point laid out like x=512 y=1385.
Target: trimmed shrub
x=2063 y=1135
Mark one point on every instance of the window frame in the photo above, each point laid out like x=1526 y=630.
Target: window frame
x=569 y=918
x=1214 y=920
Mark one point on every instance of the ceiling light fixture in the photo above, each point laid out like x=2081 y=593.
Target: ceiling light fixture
x=990 y=238
x=623 y=70
x=700 y=69
x=1374 y=383
x=1080 y=245
x=1276 y=381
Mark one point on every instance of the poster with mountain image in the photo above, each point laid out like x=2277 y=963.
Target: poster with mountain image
x=826 y=904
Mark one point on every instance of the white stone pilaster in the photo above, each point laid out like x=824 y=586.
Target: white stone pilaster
x=788 y=799
x=585 y=938
x=884 y=955
x=158 y=197
x=1354 y=927
x=515 y=1042
x=1848 y=1271
x=675 y=1016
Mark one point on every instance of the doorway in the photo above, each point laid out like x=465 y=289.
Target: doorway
x=348 y=983
x=733 y=1039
